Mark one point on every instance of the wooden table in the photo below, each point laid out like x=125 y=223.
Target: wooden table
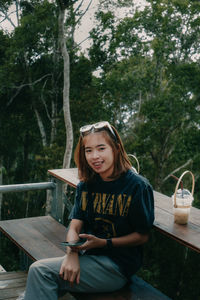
x=188 y=235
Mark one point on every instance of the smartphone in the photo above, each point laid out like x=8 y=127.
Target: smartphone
x=74 y=243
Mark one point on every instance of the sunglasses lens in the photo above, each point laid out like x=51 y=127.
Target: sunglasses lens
x=87 y=128
x=104 y=124
x=101 y=125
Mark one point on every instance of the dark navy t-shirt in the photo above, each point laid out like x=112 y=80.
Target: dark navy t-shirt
x=113 y=209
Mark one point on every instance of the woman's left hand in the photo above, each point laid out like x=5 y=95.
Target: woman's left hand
x=91 y=242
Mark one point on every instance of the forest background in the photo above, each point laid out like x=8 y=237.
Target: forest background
x=141 y=72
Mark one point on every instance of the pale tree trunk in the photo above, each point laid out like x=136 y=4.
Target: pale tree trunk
x=66 y=88
x=41 y=128
x=53 y=121
x=63 y=5
x=66 y=103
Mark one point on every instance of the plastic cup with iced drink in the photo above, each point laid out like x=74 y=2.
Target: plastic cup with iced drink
x=182 y=201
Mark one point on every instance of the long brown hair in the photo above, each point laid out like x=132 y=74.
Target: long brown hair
x=121 y=160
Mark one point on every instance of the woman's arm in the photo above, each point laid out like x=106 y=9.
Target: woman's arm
x=70 y=268
x=74 y=230
x=129 y=240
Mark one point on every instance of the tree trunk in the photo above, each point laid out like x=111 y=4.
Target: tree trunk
x=41 y=128
x=66 y=88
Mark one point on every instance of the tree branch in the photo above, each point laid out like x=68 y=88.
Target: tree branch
x=24 y=85
x=80 y=4
x=81 y=15
x=77 y=45
x=6 y=17
x=17 y=3
x=176 y=170
x=44 y=102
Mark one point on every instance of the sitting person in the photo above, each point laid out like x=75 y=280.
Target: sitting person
x=113 y=212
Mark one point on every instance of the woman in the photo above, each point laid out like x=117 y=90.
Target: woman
x=113 y=213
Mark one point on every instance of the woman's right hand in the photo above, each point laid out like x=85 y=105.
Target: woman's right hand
x=70 y=268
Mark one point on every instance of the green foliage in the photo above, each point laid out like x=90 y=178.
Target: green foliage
x=9 y=254
x=170 y=267
x=147 y=86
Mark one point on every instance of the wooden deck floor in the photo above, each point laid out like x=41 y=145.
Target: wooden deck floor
x=12 y=284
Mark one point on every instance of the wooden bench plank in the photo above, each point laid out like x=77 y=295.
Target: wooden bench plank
x=38 y=237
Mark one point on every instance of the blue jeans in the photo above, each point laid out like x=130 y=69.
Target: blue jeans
x=98 y=274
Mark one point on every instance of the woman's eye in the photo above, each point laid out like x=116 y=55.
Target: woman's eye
x=87 y=151
x=102 y=148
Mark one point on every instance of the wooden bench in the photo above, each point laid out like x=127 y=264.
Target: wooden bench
x=40 y=237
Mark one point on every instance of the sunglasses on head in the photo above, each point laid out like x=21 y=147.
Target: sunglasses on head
x=95 y=127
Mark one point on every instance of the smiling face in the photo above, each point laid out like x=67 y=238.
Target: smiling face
x=99 y=154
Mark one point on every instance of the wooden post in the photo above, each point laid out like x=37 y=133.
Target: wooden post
x=25 y=261
x=57 y=201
